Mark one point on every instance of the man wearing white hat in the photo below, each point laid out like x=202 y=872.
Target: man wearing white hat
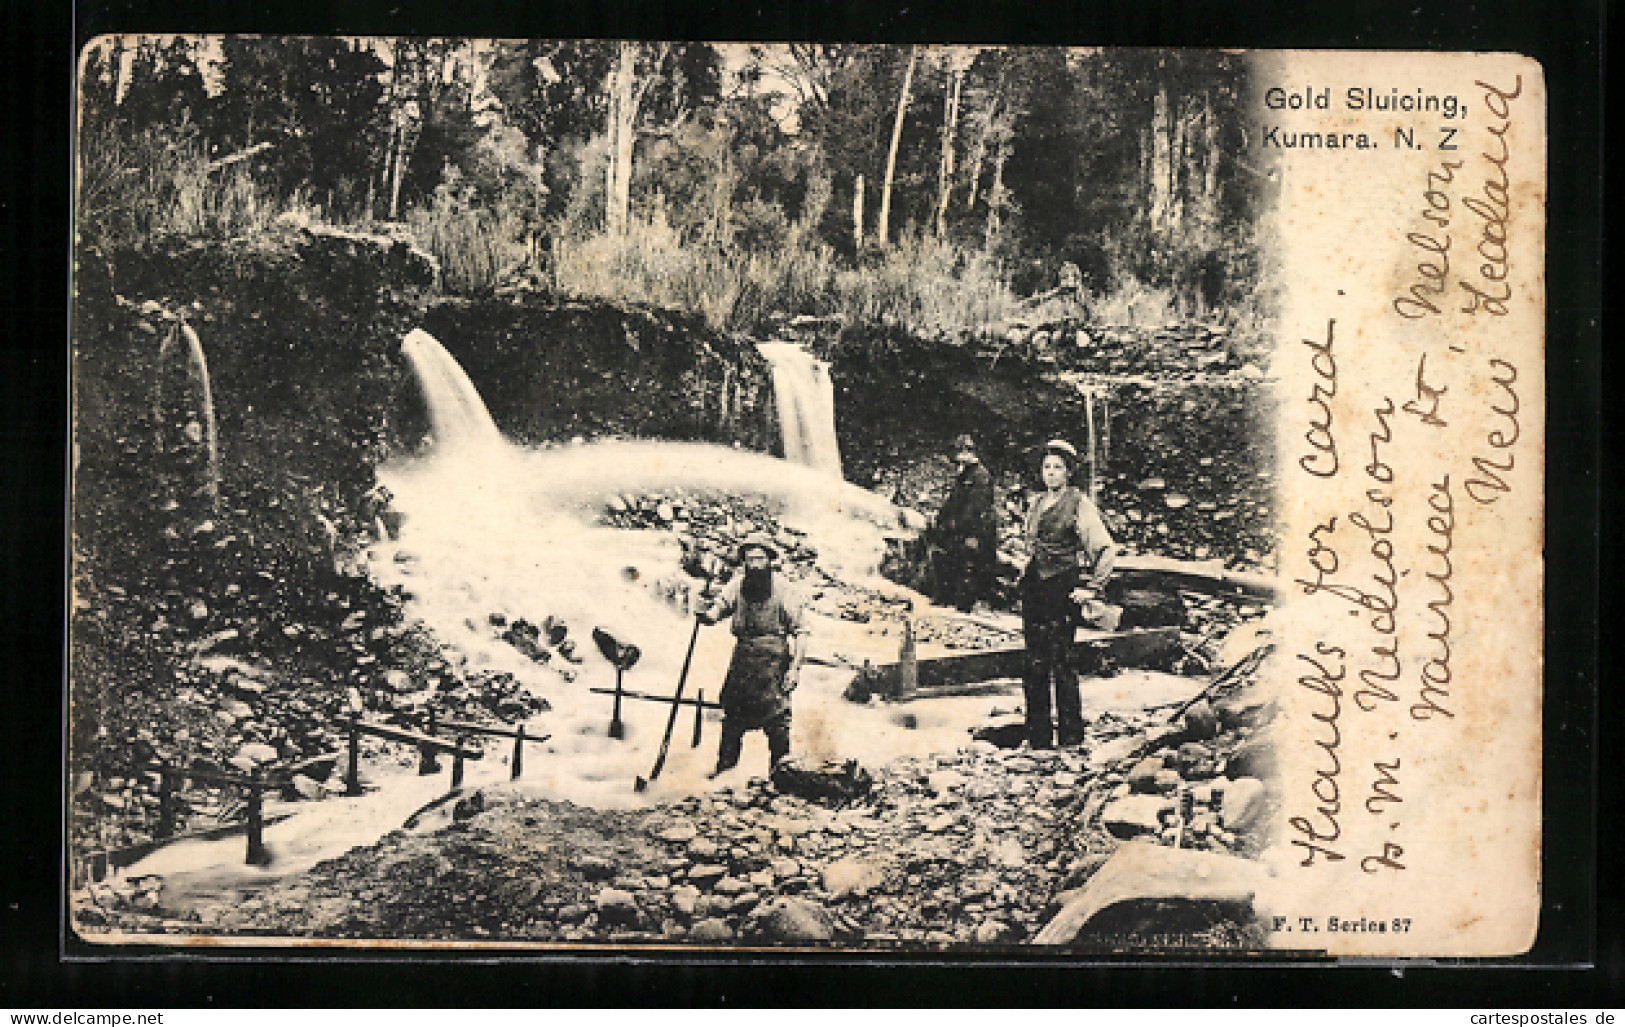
x=769 y=634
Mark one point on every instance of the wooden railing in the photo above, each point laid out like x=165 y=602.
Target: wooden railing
x=172 y=780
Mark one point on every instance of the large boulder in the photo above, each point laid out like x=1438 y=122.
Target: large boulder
x=829 y=783
x=594 y=867
x=1201 y=723
x=711 y=931
x=852 y=875
x=1146 y=889
x=1142 y=777
x=1148 y=608
x=1006 y=732
x=794 y=921
x=1253 y=758
x=1112 y=751
x=617 y=908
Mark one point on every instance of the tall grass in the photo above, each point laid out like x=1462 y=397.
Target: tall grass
x=921 y=285
x=475 y=246
x=732 y=287
x=131 y=190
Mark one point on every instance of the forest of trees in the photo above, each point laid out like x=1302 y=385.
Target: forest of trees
x=934 y=188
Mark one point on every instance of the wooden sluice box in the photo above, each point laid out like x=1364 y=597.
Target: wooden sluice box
x=990 y=671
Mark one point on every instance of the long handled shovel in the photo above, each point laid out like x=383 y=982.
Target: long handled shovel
x=676 y=704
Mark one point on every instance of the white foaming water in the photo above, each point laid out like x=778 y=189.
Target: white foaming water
x=805 y=397
x=511 y=532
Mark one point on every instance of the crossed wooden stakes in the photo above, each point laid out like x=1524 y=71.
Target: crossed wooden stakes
x=699 y=704
x=623 y=656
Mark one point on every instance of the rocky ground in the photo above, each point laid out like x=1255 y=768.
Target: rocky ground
x=976 y=847
x=232 y=624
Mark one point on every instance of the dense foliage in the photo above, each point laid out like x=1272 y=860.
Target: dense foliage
x=932 y=189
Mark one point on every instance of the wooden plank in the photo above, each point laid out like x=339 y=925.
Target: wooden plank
x=118 y=859
x=200 y=774
x=1211 y=578
x=949 y=675
x=487 y=729
x=627 y=694
x=1130 y=648
x=395 y=734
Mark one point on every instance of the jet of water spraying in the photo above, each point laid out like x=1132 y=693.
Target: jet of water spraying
x=457 y=415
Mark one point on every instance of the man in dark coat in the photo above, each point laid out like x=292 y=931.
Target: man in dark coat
x=769 y=632
x=967 y=531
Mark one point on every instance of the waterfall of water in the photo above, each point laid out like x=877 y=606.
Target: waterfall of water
x=805 y=397
x=457 y=415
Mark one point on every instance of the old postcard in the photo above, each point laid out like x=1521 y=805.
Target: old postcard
x=632 y=496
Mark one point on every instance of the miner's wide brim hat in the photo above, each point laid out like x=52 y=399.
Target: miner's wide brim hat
x=757 y=541
x=964 y=444
x=1061 y=447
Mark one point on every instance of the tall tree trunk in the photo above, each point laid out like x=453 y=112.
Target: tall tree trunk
x=986 y=120
x=995 y=192
x=881 y=230
x=625 y=96
x=1210 y=159
x=950 y=127
x=857 y=213
x=115 y=65
x=1179 y=169
x=402 y=152
x=612 y=148
x=403 y=89
x=1161 y=160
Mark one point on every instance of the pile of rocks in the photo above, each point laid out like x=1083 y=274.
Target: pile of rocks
x=1176 y=350
x=710 y=524
x=709 y=527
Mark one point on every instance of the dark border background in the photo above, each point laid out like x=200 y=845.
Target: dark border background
x=1566 y=36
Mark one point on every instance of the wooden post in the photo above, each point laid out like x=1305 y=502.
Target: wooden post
x=1094 y=468
x=166 y=805
x=428 y=756
x=908 y=678
x=256 y=822
x=518 y=761
x=457 y=767
x=699 y=717
x=353 y=779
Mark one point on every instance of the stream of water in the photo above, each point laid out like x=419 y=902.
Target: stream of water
x=805 y=397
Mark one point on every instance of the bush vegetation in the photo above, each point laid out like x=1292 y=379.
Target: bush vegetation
x=501 y=161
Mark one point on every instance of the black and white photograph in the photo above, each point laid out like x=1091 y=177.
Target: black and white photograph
x=571 y=495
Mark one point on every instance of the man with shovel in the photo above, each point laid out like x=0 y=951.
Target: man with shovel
x=769 y=644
